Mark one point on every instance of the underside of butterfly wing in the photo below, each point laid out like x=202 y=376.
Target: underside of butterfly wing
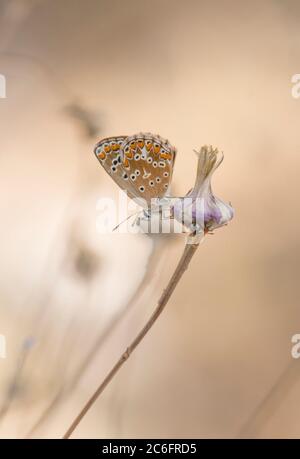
x=109 y=153
x=148 y=160
x=141 y=165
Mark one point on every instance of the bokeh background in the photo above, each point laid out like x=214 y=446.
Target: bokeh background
x=218 y=363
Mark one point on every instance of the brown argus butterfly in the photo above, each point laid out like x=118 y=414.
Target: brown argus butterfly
x=141 y=164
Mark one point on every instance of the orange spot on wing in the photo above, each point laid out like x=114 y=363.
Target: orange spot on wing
x=102 y=155
x=165 y=156
x=149 y=146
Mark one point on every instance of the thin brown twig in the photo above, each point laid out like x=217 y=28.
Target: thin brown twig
x=182 y=266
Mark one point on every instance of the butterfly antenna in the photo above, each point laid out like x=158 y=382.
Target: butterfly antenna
x=124 y=221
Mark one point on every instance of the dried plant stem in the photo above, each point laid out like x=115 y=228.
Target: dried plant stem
x=183 y=264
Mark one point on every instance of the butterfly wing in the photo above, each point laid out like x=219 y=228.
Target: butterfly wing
x=149 y=161
x=141 y=165
x=109 y=153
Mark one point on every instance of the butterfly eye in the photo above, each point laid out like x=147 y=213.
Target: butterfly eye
x=151 y=183
x=113 y=168
x=161 y=164
x=149 y=160
x=126 y=149
x=148 y=142
x=154 y=164
x=137 y=173
x=143 y=156
x=137 y=157
x=166 y=174
x=125 y=176
x=120 y=142
x=158 y=180
x=115 y=162
x=166 y=186
x=133 y=177
x=142 y=189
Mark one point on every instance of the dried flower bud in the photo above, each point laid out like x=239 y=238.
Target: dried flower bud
x=200 y=211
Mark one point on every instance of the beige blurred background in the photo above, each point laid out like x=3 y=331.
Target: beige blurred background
x=218 y=363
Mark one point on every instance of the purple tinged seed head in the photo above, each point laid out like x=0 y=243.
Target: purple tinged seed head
x=200 y=210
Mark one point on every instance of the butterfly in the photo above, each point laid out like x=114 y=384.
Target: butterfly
x=141 y=164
